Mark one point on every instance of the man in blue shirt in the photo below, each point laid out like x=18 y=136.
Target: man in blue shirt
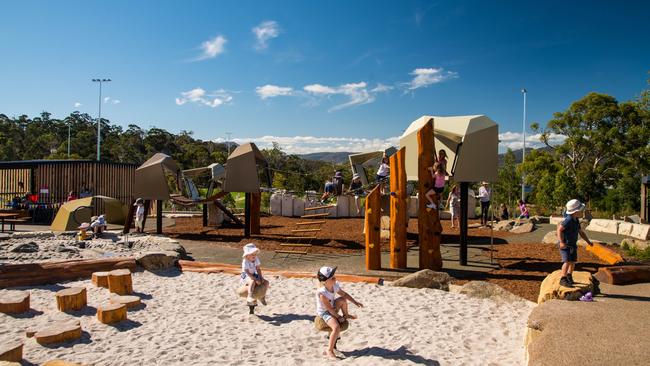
x=567 y=234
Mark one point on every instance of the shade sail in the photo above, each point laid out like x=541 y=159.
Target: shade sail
x=241 y=169
x=151 y=178
x=471 y=144
x=72 y=214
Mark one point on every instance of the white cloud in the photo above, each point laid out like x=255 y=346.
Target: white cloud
x=116 y=101
x=311 y=144
x=109 y=100
x=77 y=104
x=200 y=97
x=106 y=99
x=270 y=91
x=212 y=48
x=423 y=77
x=514 y=141
x=265 y=32
x=357 y=93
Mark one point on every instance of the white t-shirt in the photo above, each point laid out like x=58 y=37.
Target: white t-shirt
x=484 y=194
x=139 y=212
x=331 y=296
x=383 y=170
x=250 y=266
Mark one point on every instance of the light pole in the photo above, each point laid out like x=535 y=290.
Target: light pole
x=99 y=120
x=68 y=139
x=523 y=156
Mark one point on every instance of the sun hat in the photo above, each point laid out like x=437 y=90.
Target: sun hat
x=139 y=200
x=574 y=206
x=355 y=176
x=338 y=174
x=250 y=248
x=94 y=218
x=84 y=225
x=325 y=273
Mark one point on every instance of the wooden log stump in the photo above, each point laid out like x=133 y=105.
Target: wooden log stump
x=60 y=363
x=100 y=279
x=111 y=313
x=119 y=282
x=623 y=275
x=373 y=227
x=11 y=352
x=14 y=302
x=58 y=333
x=129 y=300
x=73 y=298
x=322 y=326
x=258 y=292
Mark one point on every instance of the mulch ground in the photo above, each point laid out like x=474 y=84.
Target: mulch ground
x=523 y=266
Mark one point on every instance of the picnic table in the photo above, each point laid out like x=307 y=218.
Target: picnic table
x=6 y=216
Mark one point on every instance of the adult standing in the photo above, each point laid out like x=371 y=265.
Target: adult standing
x=484 y=193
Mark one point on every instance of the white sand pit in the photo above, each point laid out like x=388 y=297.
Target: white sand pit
x=196 y=318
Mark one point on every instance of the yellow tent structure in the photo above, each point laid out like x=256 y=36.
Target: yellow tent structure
x=73 y=213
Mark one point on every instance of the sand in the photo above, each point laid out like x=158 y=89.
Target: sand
x=195 y=318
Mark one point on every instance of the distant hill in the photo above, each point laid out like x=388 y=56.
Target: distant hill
x=518 y=154
x=329 y=157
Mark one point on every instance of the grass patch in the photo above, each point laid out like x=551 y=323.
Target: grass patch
x=643 y=255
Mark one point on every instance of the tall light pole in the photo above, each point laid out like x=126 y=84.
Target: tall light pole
x=228 y=134
x=523 y=156
x=99 y=120
x=68 y=139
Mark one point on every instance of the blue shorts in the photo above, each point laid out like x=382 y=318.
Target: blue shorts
x=329 y=188
x=326 y=316
x=569 y=254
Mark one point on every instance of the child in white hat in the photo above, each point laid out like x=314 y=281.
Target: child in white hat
x=251 y=273
x=328 y=304
x=567 y=234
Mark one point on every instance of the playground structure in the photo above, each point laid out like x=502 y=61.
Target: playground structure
x=358 y=162
x=160 y=179
x=471 y=144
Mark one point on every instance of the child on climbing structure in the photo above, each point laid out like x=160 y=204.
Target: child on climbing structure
x=328 y=304
x=567 y=234
x=139 y=215
x=453 y=202
x=438 y=174
x=442 y=160
x=251 y=273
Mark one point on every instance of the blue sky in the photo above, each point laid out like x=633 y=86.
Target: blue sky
x=318 y=76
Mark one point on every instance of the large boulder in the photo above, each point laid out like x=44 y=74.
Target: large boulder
x=636 y=243
x=604 y=226
x=583 y=282
x=550 y=238
x=504 y=225
x=486 y=290
x=523 y=228
x=425 y=278
x=640 y=231
x=30 y=247
x=173 y=246
x=156 y=261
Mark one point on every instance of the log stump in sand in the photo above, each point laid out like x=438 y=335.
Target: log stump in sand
x=11 y=352
x=58 y=333
x=100 y=279
x=60 y=363
x=321 y=325
x=14 y=302
x=129 y=300
x=73 y=298
x=258 y=292
x=119 y=282
x=111 y=313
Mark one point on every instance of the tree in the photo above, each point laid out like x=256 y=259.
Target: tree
x=508 y=186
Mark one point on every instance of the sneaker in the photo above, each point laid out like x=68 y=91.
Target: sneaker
x=569 y=277
x=565 y=282
x=263 y=301
x=588 y=297
x=431 y=205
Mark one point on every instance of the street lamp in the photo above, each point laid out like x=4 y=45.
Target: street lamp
x=68 y=139
x=523 y=156
x=99 y=120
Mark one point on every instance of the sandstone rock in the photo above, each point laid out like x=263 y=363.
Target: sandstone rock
x=554 y=220
x=524 y=228
x=66 y=249
x=583 y=282
x=155 y=261
x=173 y=247
x=30 y=247
x=636 y=243
x=640 y=231
x=504 y=225
x=486 y=290
x=5 y=236
x=425 y=278
x=540 y=219
x=604 y=226
x=550 y=238
x=625 y=228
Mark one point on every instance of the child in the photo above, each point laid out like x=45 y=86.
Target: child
x=251 y=273
x=442 y=160
x=71 y=196
x=524 y=213
x=83 y=234
x=453 y=202
x=98 y=225
x=330 y=190
x=567 y=234
x=328 y=305
x=505 y=215
x=438 y=184
x=139 y=215
x=383 y=173
x=356 y=187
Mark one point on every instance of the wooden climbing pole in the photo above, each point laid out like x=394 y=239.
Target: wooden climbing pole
x=373 y=226
x=429 y=227
x=398 y=210
x=256 y=202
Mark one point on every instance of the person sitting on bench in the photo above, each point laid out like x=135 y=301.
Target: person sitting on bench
x=98 y=225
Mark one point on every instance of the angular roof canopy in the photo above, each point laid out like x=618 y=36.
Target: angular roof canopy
x=471 y=144
x=362 y=160
x=241 y=169
x=151 y=180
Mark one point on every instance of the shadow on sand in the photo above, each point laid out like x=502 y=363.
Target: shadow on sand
x=279 y=319
x=401 y=354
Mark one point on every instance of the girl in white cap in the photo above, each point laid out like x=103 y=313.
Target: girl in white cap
x=328 y=304
x=567 y=234
x=251 y=273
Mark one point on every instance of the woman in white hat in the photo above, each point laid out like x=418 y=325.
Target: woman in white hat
x=484 y=193
x=567 y=235
x=251 y=273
